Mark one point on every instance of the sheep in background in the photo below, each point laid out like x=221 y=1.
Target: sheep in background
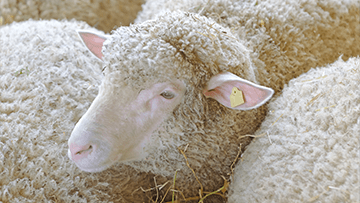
x=47 y=81
x=166 y=90
x=287 y=37
x=103 y=15
x=310 y=148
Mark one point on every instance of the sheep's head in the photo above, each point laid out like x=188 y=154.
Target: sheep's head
x=152 y=71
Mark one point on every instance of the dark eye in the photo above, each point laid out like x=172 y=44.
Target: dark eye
x=167 y=95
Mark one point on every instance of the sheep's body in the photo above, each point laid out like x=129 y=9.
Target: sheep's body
x=103 y=15
x=311 y=150
x=290 y=42
x=46 y=84
x=210 y=129
x=287 y=37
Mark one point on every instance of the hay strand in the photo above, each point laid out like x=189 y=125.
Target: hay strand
x=277 y=119
x=223 y=188
x=157 y=191
x=187 y=163
x=173 y=195
x=236 y=158
x=317 y=196
x=316 y=97
x=327 y=107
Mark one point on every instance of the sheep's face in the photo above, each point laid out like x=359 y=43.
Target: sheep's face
x=117 y=126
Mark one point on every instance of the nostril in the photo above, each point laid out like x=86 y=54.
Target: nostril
x=84 y=151
x=80 y=151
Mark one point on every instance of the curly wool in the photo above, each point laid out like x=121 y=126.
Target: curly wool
x=173 y=45
x=311 y=151
x=47 y=81
x=286 y=38
x=103 y=15
x=195 y=48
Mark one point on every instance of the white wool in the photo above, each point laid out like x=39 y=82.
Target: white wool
x=287 y=37
x=310 y=148
x=102 y=14
x=282 y=39
x=48 y=80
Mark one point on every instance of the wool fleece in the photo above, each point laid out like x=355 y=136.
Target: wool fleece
x=172 y=46
x=194 y=48
x=309 y=148
x=101 y=14
x=47 y=81
x=287 y=38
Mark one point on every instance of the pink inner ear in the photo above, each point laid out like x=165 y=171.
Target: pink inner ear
x=93 y=42
x=254 y=96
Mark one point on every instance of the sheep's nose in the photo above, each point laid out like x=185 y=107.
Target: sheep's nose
x=80 y=151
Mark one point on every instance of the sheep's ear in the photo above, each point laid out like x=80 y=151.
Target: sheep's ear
x=224 y=87
x=93 y=42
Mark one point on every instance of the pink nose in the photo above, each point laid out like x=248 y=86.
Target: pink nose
x=80 y=151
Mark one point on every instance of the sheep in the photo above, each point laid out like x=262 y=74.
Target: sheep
x=144 y=96
x=163 y=106
x=47 y=81
x=103 y=15
x=310 y=148
x=307 y=33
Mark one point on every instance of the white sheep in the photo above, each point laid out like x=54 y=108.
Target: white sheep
x=168 y=81
x=103 y=15
x=47 y=81
x=146 y=108
x=287 y=37
x=309 y=151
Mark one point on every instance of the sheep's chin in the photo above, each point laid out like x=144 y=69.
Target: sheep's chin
x=95 y=169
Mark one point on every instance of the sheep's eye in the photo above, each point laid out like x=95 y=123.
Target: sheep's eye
x=167 y=95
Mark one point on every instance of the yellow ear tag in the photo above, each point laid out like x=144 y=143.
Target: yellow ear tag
x=236 y=97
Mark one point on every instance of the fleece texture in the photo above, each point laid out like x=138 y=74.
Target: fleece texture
x=310 y=148
x=173 y=46
x=287 y=37
x=194 y=48
x=47 y=81
x=101 y=14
